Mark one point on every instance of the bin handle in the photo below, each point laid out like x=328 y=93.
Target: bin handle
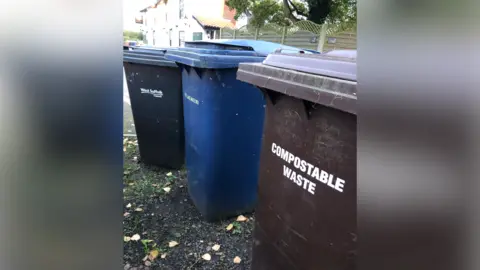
x=302 y=51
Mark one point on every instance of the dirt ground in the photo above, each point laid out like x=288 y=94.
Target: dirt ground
x=173 y=235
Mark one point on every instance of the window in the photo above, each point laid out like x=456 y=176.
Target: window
x=181 y=9
x=181 y=38
x=197 y=36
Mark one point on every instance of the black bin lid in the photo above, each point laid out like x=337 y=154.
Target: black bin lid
x=321 y=79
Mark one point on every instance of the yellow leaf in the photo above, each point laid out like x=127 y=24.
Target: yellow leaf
x=126 y=238
x=153 y=255
x=135 y=237
x=229 y=227
x=237 y=260
x=138 y=209
x=169 y=174
x=167 y=189
x=241 y=218
x=206 y=257
x=216 y=247
x=172 y=244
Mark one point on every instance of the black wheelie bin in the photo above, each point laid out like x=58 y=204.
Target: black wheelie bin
x=155 y=90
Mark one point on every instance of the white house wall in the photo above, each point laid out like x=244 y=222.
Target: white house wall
x=173 y=23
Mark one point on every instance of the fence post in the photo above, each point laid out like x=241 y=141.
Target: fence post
x=321 y=40
x=234 y=33
x=284 y=33
x=257 y=30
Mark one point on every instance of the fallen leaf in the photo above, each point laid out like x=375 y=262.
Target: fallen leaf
x=229 y=227
x=163 y=256
x=129 y=205
x=153 y=255
x=125 y=140
x=131 y=184
x=145 y=258
x=216 y=247
x=206 y=257
x=169 y=174
x=138 y=209
x=126 y=238
x=126 y=214
x=172 y=243
x=237 y=260
x=124 y=149
x=148 y=263
x=154 y=185
x=167 y=189
x=135 y=158
x=135 y=237
x=241 y=218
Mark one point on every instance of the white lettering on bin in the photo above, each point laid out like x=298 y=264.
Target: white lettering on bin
x=311 y=170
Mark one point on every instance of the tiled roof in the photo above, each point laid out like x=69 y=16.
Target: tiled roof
x=214 y=22
x=155 y=3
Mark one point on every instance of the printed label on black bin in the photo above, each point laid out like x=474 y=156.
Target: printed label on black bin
x=304 y=168
x=153 y=92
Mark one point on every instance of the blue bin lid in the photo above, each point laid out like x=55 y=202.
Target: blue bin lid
x=220 y=54
x=334 y=65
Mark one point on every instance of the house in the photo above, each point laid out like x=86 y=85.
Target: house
x=169 y=23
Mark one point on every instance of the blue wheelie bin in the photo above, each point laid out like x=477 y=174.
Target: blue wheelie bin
x=223 y=120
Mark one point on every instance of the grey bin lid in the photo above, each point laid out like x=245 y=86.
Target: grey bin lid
x=147 y=56
x=320 y=64
x=325 y=80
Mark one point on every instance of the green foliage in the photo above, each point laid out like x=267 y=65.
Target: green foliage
x=237 y=228
x=131 y=35
x=288 y=12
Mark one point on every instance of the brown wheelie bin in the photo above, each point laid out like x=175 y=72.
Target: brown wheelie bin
x=306 y=214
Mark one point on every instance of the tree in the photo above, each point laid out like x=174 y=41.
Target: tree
x=287 y=12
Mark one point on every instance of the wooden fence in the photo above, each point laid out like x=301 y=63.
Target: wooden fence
x=305 y=35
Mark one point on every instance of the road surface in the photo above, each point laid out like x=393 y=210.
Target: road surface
x=128 y=126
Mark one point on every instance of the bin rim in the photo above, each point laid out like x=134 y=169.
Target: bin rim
x=144 y=60
x=209 y=59
x=331 y=92
x=260 y=46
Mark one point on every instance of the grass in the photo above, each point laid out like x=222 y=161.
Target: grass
x=167 y=215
